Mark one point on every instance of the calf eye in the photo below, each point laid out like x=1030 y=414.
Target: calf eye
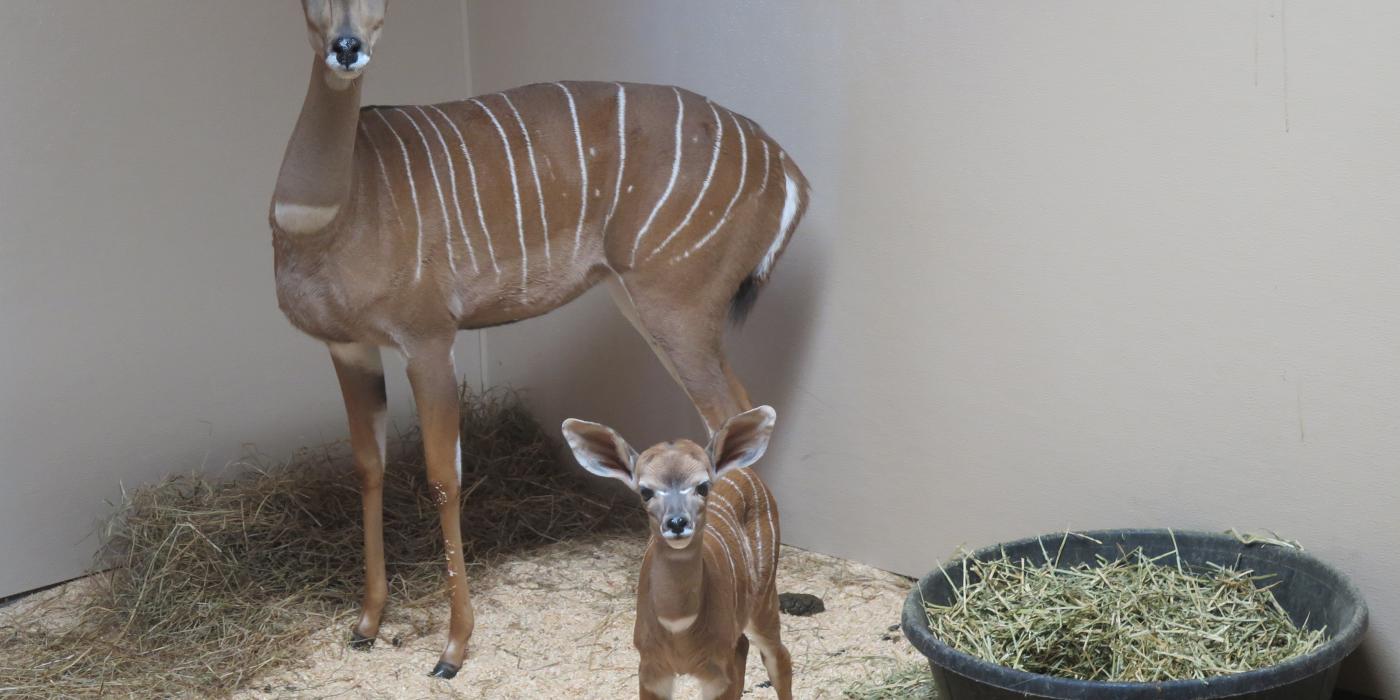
x=646 y=493
x=703 y=489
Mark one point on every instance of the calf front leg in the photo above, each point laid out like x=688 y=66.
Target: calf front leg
x=434 y=379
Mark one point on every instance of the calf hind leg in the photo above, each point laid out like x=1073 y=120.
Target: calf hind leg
x=766 y=631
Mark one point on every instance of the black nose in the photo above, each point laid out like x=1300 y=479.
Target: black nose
x=347 y=50
x=677 y=524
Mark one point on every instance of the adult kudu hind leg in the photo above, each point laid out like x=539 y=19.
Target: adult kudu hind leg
x=687 y=335
x=434 y=379
x=361 y=374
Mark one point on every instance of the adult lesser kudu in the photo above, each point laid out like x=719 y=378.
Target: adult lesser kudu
x=398 y=226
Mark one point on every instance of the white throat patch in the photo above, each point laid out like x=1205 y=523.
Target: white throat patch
x=303 y=218
x=678 y=624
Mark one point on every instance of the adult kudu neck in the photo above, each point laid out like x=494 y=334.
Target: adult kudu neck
x=315 y=179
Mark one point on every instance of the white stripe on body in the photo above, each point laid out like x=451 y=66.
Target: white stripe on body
x=582 y=170
x=437 y=183
x=743 y=176
x=534 y=174
x=452 y=183
x=383 y=173
x=705 y=185
x=621 y=150
x=670 y=184
x=413 y=192
x=515 y=190
x=785 y=225
x=763 y=187
x=731 y=519
x=767 y=508
x=714 y=536
x=476 y=194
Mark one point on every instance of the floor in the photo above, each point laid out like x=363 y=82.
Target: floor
x=557 y=623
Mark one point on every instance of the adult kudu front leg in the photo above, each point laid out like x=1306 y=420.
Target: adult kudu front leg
x=361 y=373
x=433 y=376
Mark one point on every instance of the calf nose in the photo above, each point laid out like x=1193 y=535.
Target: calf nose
x=677 y=524
x=347 y=50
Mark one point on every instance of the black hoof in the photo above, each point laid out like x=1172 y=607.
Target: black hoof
x=444 y=671
x=359 y=642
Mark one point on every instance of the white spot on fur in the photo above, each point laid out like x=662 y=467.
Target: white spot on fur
x=664 y=686
x=360 y=355
x=677 y=625
x=303 y=218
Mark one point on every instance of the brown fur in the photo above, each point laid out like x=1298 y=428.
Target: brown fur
x=717 y=590
x=374 y=245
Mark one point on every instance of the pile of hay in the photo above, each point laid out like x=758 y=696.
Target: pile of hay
x=907 y=682
x=209 y=585
x=1132 y=619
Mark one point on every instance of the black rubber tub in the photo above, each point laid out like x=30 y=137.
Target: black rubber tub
x=1308 y=589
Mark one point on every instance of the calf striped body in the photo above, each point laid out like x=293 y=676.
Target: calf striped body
x=398 y=226
x=708 y=585
x=738 y=576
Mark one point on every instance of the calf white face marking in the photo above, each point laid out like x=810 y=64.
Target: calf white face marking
x=303 y=218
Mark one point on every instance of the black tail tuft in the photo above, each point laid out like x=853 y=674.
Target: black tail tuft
x=744 y=299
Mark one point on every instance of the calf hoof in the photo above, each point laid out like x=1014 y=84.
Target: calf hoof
x=444 y=671
x=359 y=642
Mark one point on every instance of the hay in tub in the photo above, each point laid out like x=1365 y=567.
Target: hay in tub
x=1135 y=618
x=210 y=585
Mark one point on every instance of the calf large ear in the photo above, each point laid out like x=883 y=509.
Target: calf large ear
x=742 y=440
x=600 y=450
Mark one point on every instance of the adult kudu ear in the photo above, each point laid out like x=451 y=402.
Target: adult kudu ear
x=742 y=440
x=600 y=450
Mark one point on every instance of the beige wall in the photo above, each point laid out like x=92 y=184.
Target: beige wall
x=139 y=332
x=1089 y=264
